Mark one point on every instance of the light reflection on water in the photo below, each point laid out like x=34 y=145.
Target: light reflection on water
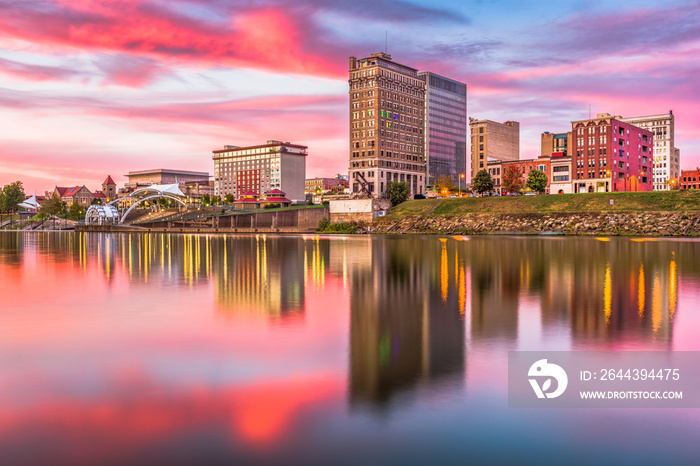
x=181 y=347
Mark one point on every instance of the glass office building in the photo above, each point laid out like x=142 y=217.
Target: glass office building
x=445 y=127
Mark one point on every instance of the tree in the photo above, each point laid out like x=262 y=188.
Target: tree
x=228 y=199
x=444 y=183
x=206 y=200
x=398 y=191
x=12 y=195
x=512 y=179
x=215 y=200
x=482 y=182
x=537 y=181
x=76 y=211
x=53 y=206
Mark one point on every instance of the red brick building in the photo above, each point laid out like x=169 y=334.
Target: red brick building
x=525 y=166
x=690 y=179
x=610 y=155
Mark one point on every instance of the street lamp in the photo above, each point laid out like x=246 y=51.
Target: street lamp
x=461 y=175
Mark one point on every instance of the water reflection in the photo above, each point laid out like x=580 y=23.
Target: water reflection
x=405 y=323
x=261 y=275
x=172 y=334
x=601 y=289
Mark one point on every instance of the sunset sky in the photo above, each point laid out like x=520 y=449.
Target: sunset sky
x=90 y=88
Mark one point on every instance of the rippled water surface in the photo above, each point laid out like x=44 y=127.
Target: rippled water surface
x=296 y=349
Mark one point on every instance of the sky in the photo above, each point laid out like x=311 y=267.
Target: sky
x=90 y=88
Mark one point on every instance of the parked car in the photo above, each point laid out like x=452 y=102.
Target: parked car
x=452 y=196
x=418 y=196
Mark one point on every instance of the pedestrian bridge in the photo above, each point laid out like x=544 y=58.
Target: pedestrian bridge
x=147 y=193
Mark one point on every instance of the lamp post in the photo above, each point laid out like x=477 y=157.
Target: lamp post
x=461 y=175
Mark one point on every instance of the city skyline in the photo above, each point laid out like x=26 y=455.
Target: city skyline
x=90 y=89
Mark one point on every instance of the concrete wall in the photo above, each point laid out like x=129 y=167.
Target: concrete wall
x=356 y=210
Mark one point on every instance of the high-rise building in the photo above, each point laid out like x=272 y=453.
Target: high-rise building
x=492 y=140
x=556 y=142
x=387 y=101
x=667 y=159
x=611 y=155
x=259 y=169
x=445 y=127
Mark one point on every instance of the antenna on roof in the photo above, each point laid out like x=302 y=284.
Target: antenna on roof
x=589 y=111
x=386 y=41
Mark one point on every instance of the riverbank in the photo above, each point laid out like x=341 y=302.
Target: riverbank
x=674 y=213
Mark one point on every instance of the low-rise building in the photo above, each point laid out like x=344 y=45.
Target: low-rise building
x=78 y=194
x=142 y=178
x=324 y=185
x=494 y=167
x=690 y=179
x=560 y=178
x=525 y=166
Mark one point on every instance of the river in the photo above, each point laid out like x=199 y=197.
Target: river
x=152 y=348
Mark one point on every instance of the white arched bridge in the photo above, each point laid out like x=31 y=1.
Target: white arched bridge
x=139 y=196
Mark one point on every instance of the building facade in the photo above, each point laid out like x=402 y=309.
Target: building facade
x=109 y=189
x=494 y=167
x=492 y=140
x=142 y=178
x=690 y=179
x=258 y=169
x=611 y=155
x=667 y=158
x=561 y=173
x=556 y=142
x=445 y=127
x=75 y=194
x=387 y=102
x=525 y=166
x=323 y=185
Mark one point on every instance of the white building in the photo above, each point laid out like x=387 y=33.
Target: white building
x=667 y=158
x=275 y=165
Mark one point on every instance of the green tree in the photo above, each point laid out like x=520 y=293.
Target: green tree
x=537 y=181
x=12 y=195
x=444 y=183
x=512 y=179
x=53 y=206
x=206 y=200
x=482 y=182
x=397 y=191
x=228 y=199
x=76 y=211
x=215 y=200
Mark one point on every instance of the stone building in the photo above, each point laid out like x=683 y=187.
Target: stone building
x=387 y=102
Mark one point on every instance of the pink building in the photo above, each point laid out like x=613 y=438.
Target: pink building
x=610 y=155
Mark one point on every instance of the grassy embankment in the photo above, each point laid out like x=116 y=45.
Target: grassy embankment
x=662 y=201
